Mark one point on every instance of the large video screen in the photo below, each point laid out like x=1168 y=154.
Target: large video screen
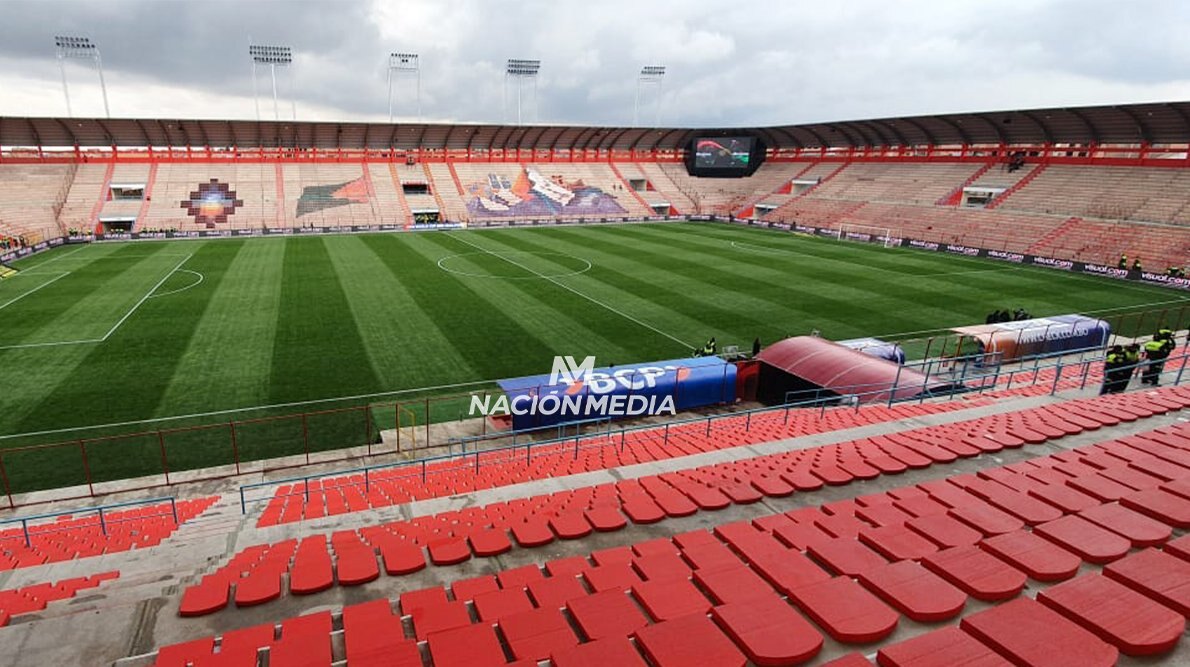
x=723 y=152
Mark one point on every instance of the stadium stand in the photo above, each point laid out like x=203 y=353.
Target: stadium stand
x=729 y=196
x=31 y=599
x=1089 y=530
x=30 y=199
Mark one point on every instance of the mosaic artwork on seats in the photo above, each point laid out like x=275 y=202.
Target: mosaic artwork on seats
x=320 y=197
x=532 y=193
x=212 y=203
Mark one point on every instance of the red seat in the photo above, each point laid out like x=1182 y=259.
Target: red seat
x=688 y=641
x=1029 y=633
x=976 y=572
x=449 y=551
x=262 y=585
x=1039 y=558
x=488 y=542
x=570 y=526
x=945 y=647
x=532 y=533
x=944 y=530
x=605 y=519
x=1091 y=542
x=1160 y=505
x=613 y=651
x=1156 y=574
x=769 y=630
x=670 y=598
x=494 y=605
x=466 y=646
x=897 y=543
x=606 y=615
x=311 y=571
x=733 y=584
x=438 y=617
x=1132 y=622
x=914 y=591
x=555 y=592
x=357 y=565
x=847 y=612
x=846 y=556
x=206 y=597
x=534 y=635
x=374 y=637
x=401 y=558
x=1139 y=529
x=618 y=577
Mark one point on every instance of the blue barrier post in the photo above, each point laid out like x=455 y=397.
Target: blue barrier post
x=243 y=504
x=1057 y=377
x=25 y=529
x=102 y=525
x=173 y=506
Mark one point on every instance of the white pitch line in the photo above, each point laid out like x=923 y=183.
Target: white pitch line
x=45 y=284
x=145 y=298
x=571 y=289
x=232 y=411
x=54 y=259
x=25 y=346
x=196 y=283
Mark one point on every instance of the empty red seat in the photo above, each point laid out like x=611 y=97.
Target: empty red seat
x=914 y=591
x=1158 y=575
x=846 y=556
x=1091 y=542
x=1135 y=624
x=374 y=637
x=617 y=651
x=401 y=558
x=670 y=598
x=494 y=605
x=847 y=612
x=449 y=551
x=688 y=641
x=945 y=647
x=976 y=572
x=1138 y=528
x=1029 y=633
x=208 y=596
x=606 y=615
x=536 y=634
x=770 y=632
x=1039 y=558
x=555 y=592
x=488 y=542
x=466 y=646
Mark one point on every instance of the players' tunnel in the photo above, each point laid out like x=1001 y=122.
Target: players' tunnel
x=807 y=367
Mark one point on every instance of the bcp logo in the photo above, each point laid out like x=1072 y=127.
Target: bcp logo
x=577 y=376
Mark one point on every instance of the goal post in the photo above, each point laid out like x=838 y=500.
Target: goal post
x=889 y=237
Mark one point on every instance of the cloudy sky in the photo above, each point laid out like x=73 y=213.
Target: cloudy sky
x=743 y=62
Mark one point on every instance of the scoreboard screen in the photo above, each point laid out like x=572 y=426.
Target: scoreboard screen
x=724 y=156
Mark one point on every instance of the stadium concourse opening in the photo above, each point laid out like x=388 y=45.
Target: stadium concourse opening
x=236 y=361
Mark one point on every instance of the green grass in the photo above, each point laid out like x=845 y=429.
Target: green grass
x=282 y=325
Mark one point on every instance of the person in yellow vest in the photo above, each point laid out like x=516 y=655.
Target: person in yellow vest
x=1111 y=369
x=1156 y=352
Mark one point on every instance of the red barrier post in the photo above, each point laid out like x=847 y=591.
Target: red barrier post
x=87 y=468
x=164 y=462
x=235 y=447
x=7 y=489
x=306 y=437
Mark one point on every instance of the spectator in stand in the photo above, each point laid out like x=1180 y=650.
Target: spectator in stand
x=1156 y=352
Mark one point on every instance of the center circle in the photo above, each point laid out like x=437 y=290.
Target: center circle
x=511 y=265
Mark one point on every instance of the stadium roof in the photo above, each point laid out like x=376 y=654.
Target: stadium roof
x=1154 y=123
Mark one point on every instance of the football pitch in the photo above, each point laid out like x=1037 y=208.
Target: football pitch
x=123 y=337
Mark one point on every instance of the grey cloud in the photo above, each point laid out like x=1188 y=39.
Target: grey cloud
x=744 y=62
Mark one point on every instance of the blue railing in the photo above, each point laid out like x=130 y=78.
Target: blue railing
x=100 y=510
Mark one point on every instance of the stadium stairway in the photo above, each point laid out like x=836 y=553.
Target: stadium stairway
x=1071 y=558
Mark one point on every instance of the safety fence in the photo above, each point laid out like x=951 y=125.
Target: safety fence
x=1054 y=374
x=95 y=463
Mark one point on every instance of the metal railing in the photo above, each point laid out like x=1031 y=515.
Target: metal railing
x=99 y=511
x=1081 y=374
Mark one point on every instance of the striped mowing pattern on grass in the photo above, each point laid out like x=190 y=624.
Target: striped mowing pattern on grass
x=238 y=323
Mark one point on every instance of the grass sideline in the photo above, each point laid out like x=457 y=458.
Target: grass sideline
x=135 y=332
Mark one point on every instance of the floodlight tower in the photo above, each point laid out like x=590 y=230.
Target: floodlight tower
x=650 y=75
x=73 y=47
x=271 y=56
x=519 y=70
x=403 y=64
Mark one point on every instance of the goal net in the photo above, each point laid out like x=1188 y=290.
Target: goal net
x=886 y=236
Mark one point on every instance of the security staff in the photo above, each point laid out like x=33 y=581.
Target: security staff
x=1111 y=369
x=1136 y=265
x=1156 y=352
x=1123 y=262
x=710 y=349
x=1131 y=362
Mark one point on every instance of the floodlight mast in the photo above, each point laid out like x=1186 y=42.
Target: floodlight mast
x=403 y=63
x=73 y=47
x=271 y=56
x=650 y=75
x=520 y=69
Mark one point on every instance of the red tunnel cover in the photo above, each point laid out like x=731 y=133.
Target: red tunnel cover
x=845 y=371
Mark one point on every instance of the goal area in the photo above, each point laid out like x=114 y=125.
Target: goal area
x=889 y=237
